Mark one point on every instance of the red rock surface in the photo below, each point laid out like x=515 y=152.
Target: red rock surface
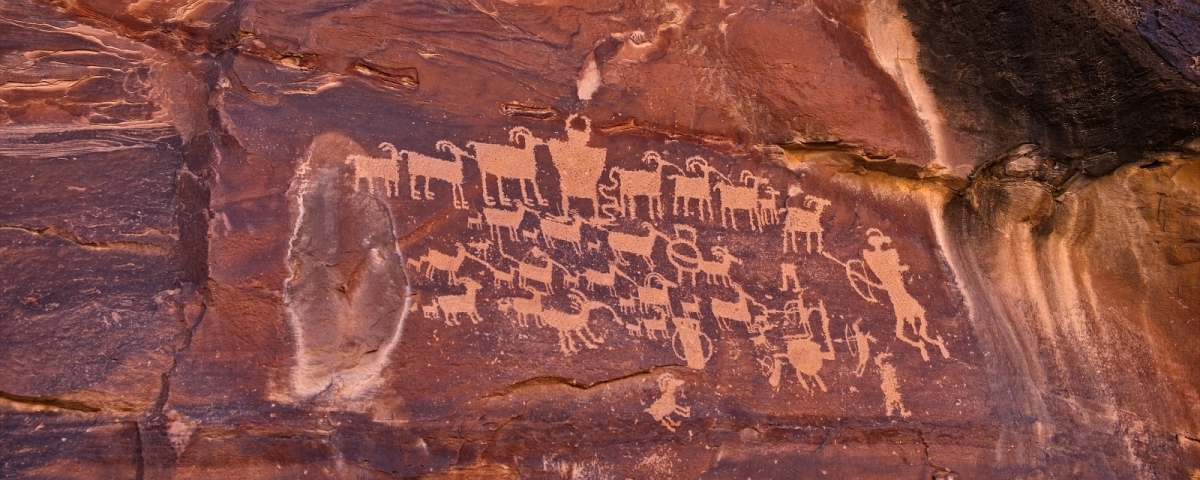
x=738 y=239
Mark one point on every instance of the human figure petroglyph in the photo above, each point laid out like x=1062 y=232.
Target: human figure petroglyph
x=503 y=161
x=434 y=261
x=640 y=246
x=579 y=166
x=718 y=272
x=528 y=310
x=640 y=183
x=788 y=272
x=690 y=344
x=805 y=355
x=386 y=170
x=803 y=221
x=890 y=386
x=569 y=231
x=859 y=343
x=694 y=188
x=885 y=264
x=575 y=325
x=667 y=404
x=739 y=197
x=434 y=168
x=452 y=306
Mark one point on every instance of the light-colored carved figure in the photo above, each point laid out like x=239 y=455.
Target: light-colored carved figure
x=737 y=310
x=759 y=328
x=503 y=161
x=805 y=354
x=543 y=274
x=691 y=309
x=768 y=208
x=651 y=296
x=656 y=325
x=527 y=310
x=452 y=306
x=667 y=404
x=788 y=272
x=435 y=261
x=718 y=272
x=885 y=264
x=575 y=325
x=601 y=280
x=500 y=278
x=890 y=386
x=501 y=221
x=684 y=255
x=386 y=170
x=698 y=188
x=435 y=168
x=804 y=222
x=640 y=183
x=739 y=197
x=474 y=221
x=690 y=344
x=568 y=231
x=579 y=166
x=627 y=304
x=860 y=345
x=640 y=246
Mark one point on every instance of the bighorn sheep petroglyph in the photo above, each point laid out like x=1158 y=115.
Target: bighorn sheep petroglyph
x=640 y=183
x=451 y=172
x=386 y=170
x=503 y=161
x=694 y=188
x=804 y=221
x=667 y=404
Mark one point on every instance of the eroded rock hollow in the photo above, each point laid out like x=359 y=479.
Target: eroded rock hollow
x=600 y=239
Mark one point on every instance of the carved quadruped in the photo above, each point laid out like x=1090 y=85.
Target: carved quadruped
x=516 y=163
x=386 y=170
x=667 y=406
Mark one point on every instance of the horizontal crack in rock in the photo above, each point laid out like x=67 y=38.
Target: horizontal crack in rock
x=85 y=242
x=49 y=401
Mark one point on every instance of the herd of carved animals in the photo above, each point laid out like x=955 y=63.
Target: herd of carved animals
x=642 y=295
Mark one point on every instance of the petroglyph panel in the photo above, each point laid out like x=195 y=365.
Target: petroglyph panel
x=570 y=247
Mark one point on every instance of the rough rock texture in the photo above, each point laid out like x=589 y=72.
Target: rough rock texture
x=644 y=239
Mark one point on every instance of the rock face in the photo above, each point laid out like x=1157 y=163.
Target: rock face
x=737 y=239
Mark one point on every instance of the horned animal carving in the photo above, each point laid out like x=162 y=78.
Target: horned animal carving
x=433 y=168
x=739 y=197
x=640 y=183
x=694 y=188
x=636 y=245
x=804 y=222
x=452 y=306
x=667 y=404
x=503 y=161
x=575 y=325
x=386 y=170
